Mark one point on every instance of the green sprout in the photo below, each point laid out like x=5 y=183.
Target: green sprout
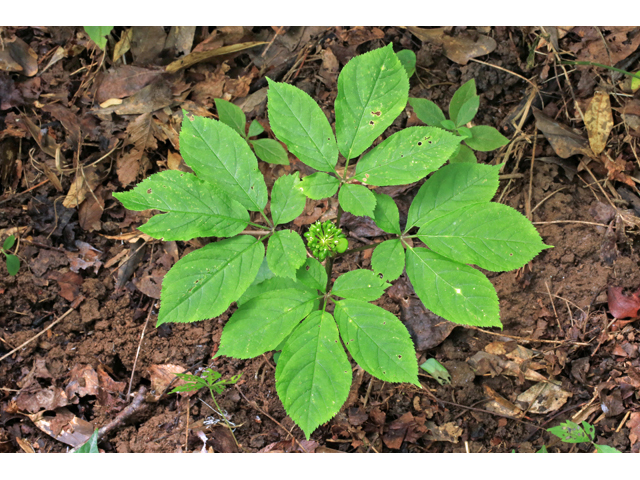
x=325 y=239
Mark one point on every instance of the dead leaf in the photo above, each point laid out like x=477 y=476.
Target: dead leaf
x=291 y=446
x=18 y=56
x=449 y=432
x=564 y=141
x=142 y=135
x=33 y=398
x=69 y=284
x=64 y=426
x=487 y=364
x=623 y=306
x=598 y=120
x=90 y=211
x=161 y=376
x=155 y=96
x=616 y=170
x=83 y=380
x=124 y=81
x=406 y=428
x=633 y=424
x=180 y=39
x=69 y=120
x=147 y=42
x=500 y=405
x=461 y=48
x=151 y=284
x=86 y=181
x=196 y=57
x=86 y=257
x=544 y=397
x=123 y=45
x=25 y=445
x=329 y=68
x=617 y=45
x=44 y=141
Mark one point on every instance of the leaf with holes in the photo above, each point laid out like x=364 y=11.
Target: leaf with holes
x=313 y=275
x=287 y=201
x=195 y=208
x=360 y=284
x=455 y=291
x=319 y=186
x=388 y=259
x=286 y=253
x=260 y=324
x=373 y=89
x=203 y=284
x=492 y=236
x=407 y=156
x=298 y=122
x=313 y=375
x=377 y=340
x=451 y=188
x=357 y=200
x=217 y=154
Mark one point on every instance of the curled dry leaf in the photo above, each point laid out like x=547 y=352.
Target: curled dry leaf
x=161 y=376
x=498 y=404
x=64 y=426
x=460 y=48
x=564 y=141
x=85 y=257
x=543 y=397
x=623 y=306
x=598 y=120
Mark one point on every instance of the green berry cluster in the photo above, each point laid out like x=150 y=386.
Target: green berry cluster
x=325 y=239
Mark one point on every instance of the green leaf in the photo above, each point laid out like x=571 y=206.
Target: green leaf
x=91 y=445
x=386 y=215
x=589 y=429
x=13 y=264
x=313 y=275
x=486 y=138
x=464 y=132
x=360 y=284
x=543 y=449
x=204 y=283
x=9 y=242
x=272 y=285
x=450 y=188
x=570 y=432
x=427 y=111
x=492 y=236
x=231 y=115
x=464 y=155
x=434 y=368
x=464 y=94
x=388 y=259
x=286 y=253
x=217 y=154
x=270 y=151
x=264 y=273
x=298 y=121
x=195 y=208
x=259 y=325
x=287 y=201
x=468 y=110
x=455 y=291
x=373 y=89
x=408 y=60
x=407 y=156
x=98 y=35
x=378 y=341
x=319 y=186
x=313 y=375
x=448 y=124
x=605 y=449
x=357 y=199
x=255 y=129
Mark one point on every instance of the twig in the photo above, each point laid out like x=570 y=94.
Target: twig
x=255 y=405
x=74 y=305
x=547 y=198
x=22 y=193
x=133 y=370
x=186 y=442
x=571 y=221
x=525 y=339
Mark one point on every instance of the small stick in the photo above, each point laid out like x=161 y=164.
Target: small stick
x=571 y=221
x=22 y=193
x=74 y=305
x=524 y=339
x=623 y=420
x=186 y=442
x=133 y=371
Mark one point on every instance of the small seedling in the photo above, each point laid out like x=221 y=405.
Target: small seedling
x=211 y=380
x=282 y=295
x=463 y=107
x=91 y=445
x=434 y=368
x=13 y=262
x=571 y=432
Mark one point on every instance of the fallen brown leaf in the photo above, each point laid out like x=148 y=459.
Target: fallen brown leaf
x=564 y=141
x=598 y=120
x=64 y=426
x=124 y=81
x=460 y=48
x=623 y=306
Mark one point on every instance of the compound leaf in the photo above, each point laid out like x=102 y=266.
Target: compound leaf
x=388 y=259
x=455 y=291
x=13 y=264
x=195 y=208
x=270 y=151
x=231 y=115
x=427 y=111
x=313 y=275
x=386 y=215
x=492 y=236
x=298 y=121
x=204 y=283
x=98 y=35
x=287 y=201
x=217 y=154
x=360 y=284
x=319 y=186
x=377 y=340
x=373 y=89
x=260 y=324
x=485 y=138
x=407 y=156
x=450 y=188
x=357 y=199
x=313 y=375
x=286 y=253
x=459 y=109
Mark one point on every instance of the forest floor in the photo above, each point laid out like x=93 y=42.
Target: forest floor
x=76 y=126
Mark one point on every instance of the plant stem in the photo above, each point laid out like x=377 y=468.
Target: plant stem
x=224 y=418
x=257 y=225
x=266 y=219
x=328 y=267
x=359 y=249
x=256 y=233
